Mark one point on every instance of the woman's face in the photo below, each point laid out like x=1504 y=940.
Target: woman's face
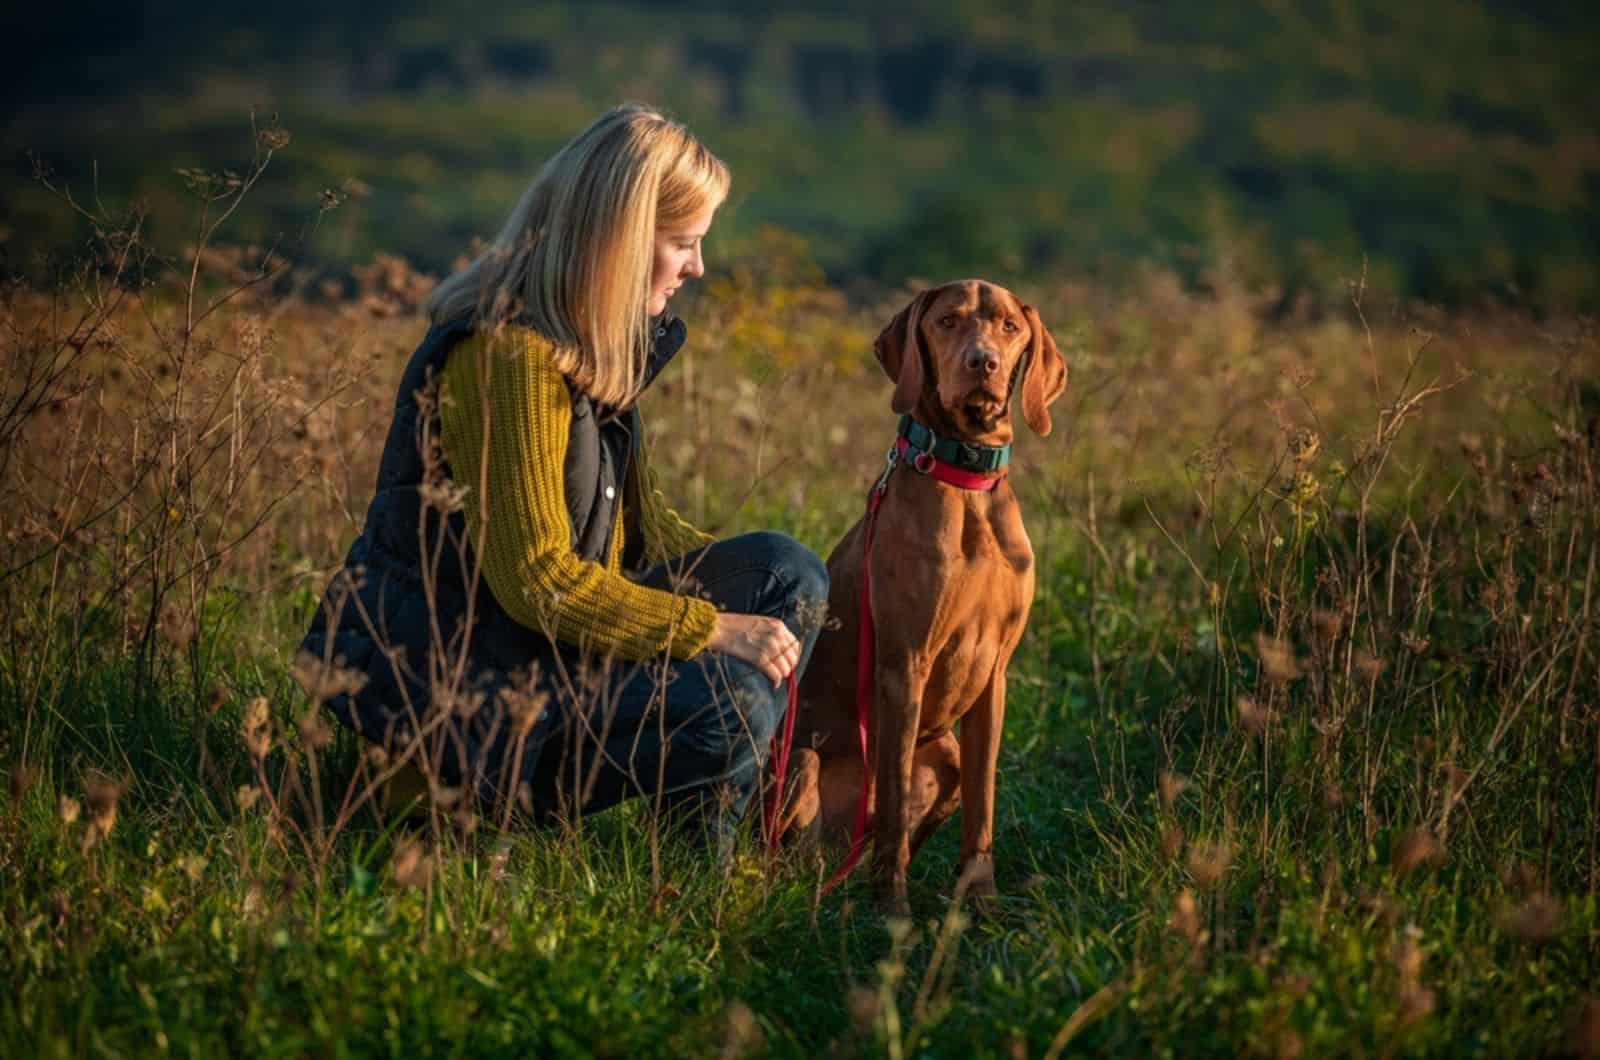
x=677 y=258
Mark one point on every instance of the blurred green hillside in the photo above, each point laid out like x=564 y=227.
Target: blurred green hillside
x=1454 y=145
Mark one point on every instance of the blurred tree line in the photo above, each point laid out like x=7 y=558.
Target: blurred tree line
x=1453 y=145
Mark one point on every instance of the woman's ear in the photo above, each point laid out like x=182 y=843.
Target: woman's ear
x=899 y=349
x=1044 y=375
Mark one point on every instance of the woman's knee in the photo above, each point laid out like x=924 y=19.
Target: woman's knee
x=804 y=575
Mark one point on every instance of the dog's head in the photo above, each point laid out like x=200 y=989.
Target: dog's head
x=957 y=353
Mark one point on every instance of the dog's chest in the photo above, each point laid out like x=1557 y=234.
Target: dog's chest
x=981 y=613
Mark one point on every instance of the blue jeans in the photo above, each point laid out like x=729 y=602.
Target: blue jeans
x=693 y=734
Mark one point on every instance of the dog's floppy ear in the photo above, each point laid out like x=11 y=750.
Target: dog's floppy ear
x=1044 y=374
x=899 y=349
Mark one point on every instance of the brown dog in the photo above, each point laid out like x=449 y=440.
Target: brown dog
x=951 y=584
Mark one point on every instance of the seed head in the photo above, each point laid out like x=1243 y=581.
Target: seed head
x=444 y=495
x=1171 y=785
x=23 y=777
x=323 y=681
x=1184 y=921
x=1253 y=717
x=314 y=732
x=1278 y=663
x=525 y=705
x=1209 y=861
x=1537 y=920
x=273 y=137
x=67 y=809
x=413 y=867
x=466 y=703
x=1303 y=446
x=193 y=866
x=1303 y=489
x=743 y=1034
x=256 y=729
x=1327 y=625
x=253 y=900
x=1369 y=666
x=1413 y=643
x=1416 y=1003
x=1407 y=956
x=499 y=860
x=102 y=793
x=1414 y=849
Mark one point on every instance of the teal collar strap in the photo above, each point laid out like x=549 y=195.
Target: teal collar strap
x=964 y=455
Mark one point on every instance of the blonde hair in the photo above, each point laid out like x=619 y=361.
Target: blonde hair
x=573 y=261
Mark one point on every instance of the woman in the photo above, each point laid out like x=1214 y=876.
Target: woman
x=522 y=607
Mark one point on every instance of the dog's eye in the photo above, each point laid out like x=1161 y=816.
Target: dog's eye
x=948 y=320
x=1010 y=327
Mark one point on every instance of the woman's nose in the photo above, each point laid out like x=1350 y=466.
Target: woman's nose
x=695 y=266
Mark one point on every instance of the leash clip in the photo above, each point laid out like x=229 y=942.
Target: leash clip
x=923 y=462
x=890 y=459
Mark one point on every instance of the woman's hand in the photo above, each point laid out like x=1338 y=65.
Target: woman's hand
x=763 y=642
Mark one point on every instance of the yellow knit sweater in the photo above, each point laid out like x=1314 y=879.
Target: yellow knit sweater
x=512 y=468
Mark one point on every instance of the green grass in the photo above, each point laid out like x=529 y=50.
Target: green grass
x=191 y=930
x=1300 y=754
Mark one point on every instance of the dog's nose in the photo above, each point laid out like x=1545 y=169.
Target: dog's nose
x=985 y=361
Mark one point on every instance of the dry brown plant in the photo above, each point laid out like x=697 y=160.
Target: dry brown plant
x=1536 y=920
x=1413 y=849
x=1209 y=860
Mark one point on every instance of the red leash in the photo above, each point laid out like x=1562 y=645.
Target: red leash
x=864 y=669
x=924 y=463
x=780 y=761
x=866 y=647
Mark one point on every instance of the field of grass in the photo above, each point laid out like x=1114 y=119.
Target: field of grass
x=1302 y=754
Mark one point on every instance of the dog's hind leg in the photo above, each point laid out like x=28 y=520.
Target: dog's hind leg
x=839 y=792
x=801 y=815
x=935 y=787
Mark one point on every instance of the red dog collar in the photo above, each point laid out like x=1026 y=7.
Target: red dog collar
x=927 y=464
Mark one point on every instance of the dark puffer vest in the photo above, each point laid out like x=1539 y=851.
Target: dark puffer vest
x=375 y=624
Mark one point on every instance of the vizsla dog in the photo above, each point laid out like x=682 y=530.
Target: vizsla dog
x=951 y=581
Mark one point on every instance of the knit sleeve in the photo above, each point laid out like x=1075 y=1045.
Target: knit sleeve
x=666 y=534
x=506 y=442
